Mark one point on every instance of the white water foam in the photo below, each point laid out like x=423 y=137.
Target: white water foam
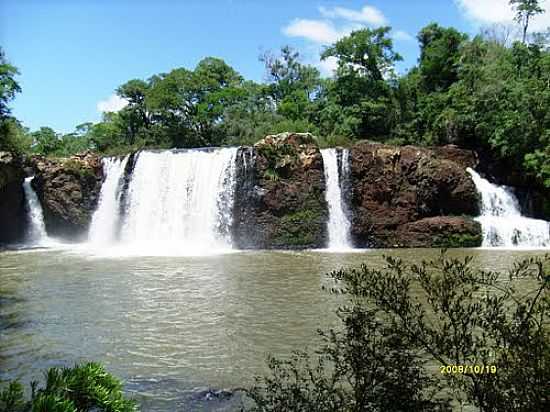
x=36 y=233
x=180 y=203
x=501 y=219
x=338 y=223
x=105 y=220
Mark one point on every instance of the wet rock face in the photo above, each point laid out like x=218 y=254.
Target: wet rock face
x=12 y=199
x=439 y=231
x=393 y=187
x=68 y=190
x=279 y=200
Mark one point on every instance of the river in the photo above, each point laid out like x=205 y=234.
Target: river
x=172 y=326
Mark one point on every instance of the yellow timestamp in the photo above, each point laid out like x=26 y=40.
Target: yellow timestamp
x=477 y=369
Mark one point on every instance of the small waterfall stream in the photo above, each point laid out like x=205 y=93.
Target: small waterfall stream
x=338 y=223
x=501 y=219
x=105 y=220
x=36 y=232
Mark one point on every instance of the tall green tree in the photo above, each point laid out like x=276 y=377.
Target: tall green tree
x=135 y=114
x=188 y=107
x=439 y=56
x=13 y=136
x=292 y=84
x=8 y=85
x=525 y=11
x=362 y=88
x=46 y=141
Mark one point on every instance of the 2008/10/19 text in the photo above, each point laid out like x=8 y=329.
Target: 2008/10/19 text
x=477 y=369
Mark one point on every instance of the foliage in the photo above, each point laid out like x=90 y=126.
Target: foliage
x=8 y=85
x=78 y=168
x=402 y=321
x=439 y=56
x=486 y=93
x=300 y=228
x=82 y=388
x=525 y=10
x=362 y=87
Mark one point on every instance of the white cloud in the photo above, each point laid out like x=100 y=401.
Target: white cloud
x=368 y=15
x=318 y=31
x=333 y=24
x=113 y=103
x=328 y=66
x=499 y=11
x=403 y=36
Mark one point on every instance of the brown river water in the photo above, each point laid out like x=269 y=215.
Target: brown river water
x=171 y=327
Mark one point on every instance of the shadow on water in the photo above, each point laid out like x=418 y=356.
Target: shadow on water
x=177 y=395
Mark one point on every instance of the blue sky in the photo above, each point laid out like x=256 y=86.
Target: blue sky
x=72 y=54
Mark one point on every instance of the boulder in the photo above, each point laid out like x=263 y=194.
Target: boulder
x=12 y=199
x=439 y=231
x=395 y=186
x=68 y=190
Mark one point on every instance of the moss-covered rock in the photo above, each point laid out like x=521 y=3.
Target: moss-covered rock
x=440 y=231
x=280 y=199
x=299 y=229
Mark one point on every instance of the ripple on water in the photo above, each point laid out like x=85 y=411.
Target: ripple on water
x=174 y=326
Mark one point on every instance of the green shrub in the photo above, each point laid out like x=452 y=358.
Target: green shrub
x=403 y=324
x=78 y=168
x=79 y=389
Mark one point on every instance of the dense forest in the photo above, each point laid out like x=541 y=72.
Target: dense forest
x=488 y=93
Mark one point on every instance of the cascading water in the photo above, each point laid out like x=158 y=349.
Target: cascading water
x=338 y=223
x=181 y=201
x=103 y=228
x=36 y=233
x=501 y=219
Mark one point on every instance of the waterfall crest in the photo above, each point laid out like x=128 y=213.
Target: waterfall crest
x=105 y=220
x=501 y=219
x=338 y=222
x=181 y=201
x=36 y=232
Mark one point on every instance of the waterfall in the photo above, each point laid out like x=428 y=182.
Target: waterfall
x=105 y=220
x=36 y=232
x=501 y=219
x=338 y=222
x=181 y=201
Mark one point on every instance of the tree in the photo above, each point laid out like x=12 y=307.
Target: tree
x=134 y=115
x=188 y=107
x=365 y=60
x=292 y=85
x=368 y=53
x=8 y=85
x=46 y=141
x=439 y=56
x=525 y=10
x=13 y=136
x=487 y=333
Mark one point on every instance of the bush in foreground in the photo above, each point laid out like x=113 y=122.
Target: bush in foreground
x=404 y=325
x=79 y=389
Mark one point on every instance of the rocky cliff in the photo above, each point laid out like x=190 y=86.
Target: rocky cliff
x=279 y=199
x=12 y=199
x=398 y=196
x=68 y=190
x=403 y=197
